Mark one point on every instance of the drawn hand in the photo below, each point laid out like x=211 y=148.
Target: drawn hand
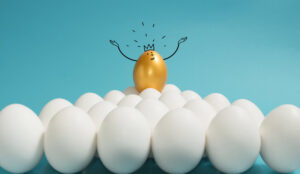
x=114 y=43
x=182 y=40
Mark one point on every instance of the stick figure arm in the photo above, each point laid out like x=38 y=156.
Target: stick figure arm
x=114 y=43
x=178 y=44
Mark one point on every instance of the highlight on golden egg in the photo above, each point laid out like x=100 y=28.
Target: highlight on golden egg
x=150 y=71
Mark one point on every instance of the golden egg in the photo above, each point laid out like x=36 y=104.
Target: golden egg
x=150 y=71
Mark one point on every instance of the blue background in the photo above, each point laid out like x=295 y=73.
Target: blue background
x=242 y=49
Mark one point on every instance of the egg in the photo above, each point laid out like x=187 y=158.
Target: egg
x=51 y=108
x=124 y=140
x=170 y=87
x=233 y=140
x=280 y=135
x=21 y=137
x=253 y=111
x=86 y=101
x=178 y=141
x=153 y=110
x=70 y=140
x=150 y=71
x=190 y=95
x=99 y=111
x=203 y=110
x=130 y=90
x=218 y=101
x=114 y=96
x=150 y=93
x=172 y=99
x=130 y=100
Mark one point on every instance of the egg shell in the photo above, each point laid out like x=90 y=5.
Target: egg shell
x=99 y=111
x=150 y=93
x=253 y=111
x=124 y=140
x=280 y=135
x=130 y=100
x=153 y=110
x=130 y=90
x=204 y=111
x=70 y=140
x=86 y=101
x=21 y=137
x=172 y=99
x=114 y=96
x=51 y=108
x=233 y=141
x=170 y=87
x=218 y=101
x=178 y=141
x=190 y=95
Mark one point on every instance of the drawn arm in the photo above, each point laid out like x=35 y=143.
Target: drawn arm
x=114 y=43
x=179 y=42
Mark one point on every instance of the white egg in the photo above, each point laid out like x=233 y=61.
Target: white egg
x=21 y=137
x=51 y=108
x=172 y=99
x=203 y=110
x=99 y=111
x=86 y=101
x=280 y=135
x=233 y=141
x=253 y=111
x=130 y=100
x=178 y=141
x=124 y=140
x=70 y=140
x=190 y=95
x=114 y=96
x=130 y=90
x=153 y=110
x=218 y=101
x=170 y=87
x=150 y=93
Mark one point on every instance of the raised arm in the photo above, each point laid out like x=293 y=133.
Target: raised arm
x=114 y=43
x=179 y=42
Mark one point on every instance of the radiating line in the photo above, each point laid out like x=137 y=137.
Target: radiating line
x=135 y=41
x=163 y=37
x=133 y=30
x=143 y=23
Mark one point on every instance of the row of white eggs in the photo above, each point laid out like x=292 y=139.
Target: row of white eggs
x=176 y=126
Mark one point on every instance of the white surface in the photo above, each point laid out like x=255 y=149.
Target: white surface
x=70 y=140
x=130 y=100
x=233 y=141
x=114 y=96
x=87 y=100
x=51 y=108
x=178 y=141
x=130 y=90
x=170 y=87
x=217 y=101
x=280 y=134
x=172 y=99
x=124 y=140
x=150 y=93
x=21 y=139
x=190 y=95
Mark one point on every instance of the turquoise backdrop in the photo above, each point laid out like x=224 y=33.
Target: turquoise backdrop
x=242 y=49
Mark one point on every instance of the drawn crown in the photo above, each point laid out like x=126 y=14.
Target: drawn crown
x=149 y=47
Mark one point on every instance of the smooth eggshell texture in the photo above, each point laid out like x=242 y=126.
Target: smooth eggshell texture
x=70 y=140
x=130 y=90
x=99 y=111
x=130 y=100
x=253 y=111
x=178 y=141
x=86 y=101
x=21 y=139
x=150 y=93
x=170 y=87
x=190 y=95
x=124 y=140
x=51 y=108
x=203 y=110
x=153 y=110
x=218 y=101
x=280 y=135
x=172 y=99
x=233 y=141
x=114 y=96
